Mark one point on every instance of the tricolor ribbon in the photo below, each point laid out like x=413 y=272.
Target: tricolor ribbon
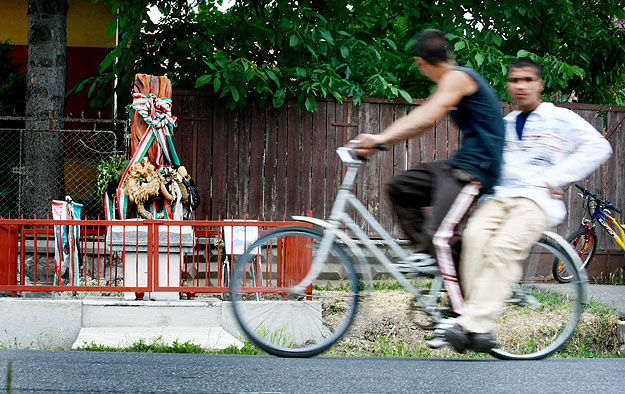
x=156 y=113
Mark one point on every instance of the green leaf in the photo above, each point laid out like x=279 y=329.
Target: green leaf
x=300 y=72
x=406 y=96
x=327 y=36
x=110 y=57
x=110 y=32
x=391 y=43
x=311 y=104
x=278 y=98
x=273 y=77
x=479 y=59
x=235 y=93
x=216 y=84
x=294 y=40
x=345 y=51
x=522 y=53
x=459 y=45
x=203 y=80
x=497 y=40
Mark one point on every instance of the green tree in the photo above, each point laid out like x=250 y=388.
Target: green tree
x=314 y=48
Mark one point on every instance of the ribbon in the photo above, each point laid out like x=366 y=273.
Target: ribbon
x=156 y=113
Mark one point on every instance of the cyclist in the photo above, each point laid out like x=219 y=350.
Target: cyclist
x=546 y=148
x=450 y=186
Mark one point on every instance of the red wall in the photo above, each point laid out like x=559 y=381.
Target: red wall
x=82 y=63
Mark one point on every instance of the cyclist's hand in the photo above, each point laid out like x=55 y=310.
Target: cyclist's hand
x=554 y=193
x=369 y=143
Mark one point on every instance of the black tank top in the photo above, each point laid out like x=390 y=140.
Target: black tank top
x=480 y=118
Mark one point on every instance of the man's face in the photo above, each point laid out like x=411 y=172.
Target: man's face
x=425 y=68
x=525 y=87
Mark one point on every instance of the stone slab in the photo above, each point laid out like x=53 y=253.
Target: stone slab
x=212 y=338
x=135 y=238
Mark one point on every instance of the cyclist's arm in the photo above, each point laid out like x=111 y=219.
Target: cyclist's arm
x=452 y=87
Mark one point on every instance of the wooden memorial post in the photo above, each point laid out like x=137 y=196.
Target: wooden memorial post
x=146 y=84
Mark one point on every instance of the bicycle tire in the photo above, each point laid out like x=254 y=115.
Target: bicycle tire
x=560 y=274
x=539 y=325
x=287 y=322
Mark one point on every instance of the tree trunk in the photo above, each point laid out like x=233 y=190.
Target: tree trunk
x=45 y=99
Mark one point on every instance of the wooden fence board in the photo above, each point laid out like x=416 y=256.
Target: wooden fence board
x=319 y=159
x=307 y=165
x=257 y=138
x=293 y=176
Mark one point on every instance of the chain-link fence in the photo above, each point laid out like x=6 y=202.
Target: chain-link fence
x=85 y=144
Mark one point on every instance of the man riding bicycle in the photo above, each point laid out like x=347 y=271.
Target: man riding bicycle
x=450 y=186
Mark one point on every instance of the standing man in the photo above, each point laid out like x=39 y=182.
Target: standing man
x=546 y=148
x=448 y=186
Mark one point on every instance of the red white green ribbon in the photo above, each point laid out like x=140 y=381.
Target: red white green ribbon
x=156 y=113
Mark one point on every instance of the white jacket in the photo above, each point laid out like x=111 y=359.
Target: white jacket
x=557 y=147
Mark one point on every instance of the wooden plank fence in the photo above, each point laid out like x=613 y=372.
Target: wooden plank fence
x=274 y=163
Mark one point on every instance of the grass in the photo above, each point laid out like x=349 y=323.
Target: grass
x=614 y=278
x=159 y=346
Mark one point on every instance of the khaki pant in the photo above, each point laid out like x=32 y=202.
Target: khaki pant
x=498 y=237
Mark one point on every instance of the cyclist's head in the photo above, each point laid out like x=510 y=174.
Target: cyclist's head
x=526 y=62
x=431 y=46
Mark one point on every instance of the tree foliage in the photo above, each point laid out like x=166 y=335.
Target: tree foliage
x=272 y=49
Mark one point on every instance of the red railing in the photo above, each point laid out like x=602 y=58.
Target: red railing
x=136 y=256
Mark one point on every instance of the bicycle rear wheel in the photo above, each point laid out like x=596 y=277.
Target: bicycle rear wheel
x=541 y=315
x=276 y=298
x=584 y=245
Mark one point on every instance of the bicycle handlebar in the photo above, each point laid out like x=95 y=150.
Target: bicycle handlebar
x=606 y=203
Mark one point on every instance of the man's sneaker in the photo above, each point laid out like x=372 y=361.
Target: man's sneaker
x=461 y=340
x=421 y=263
x=437 y=342
x=439 y=333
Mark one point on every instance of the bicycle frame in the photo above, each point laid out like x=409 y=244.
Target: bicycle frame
x=599 y=215
x=338 y=216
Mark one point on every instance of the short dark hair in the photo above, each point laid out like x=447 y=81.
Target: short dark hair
x=431 y=45
x=526 y=62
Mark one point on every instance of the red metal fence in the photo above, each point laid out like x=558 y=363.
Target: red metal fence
x=133 y=256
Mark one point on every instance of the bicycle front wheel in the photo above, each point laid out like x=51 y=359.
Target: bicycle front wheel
x=279 y=300
x=584 y=242
x=541 y=315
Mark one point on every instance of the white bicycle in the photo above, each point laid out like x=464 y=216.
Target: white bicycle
x=288 y=315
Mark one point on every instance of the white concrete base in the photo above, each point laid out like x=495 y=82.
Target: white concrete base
x=136 y=275
x=212 y=338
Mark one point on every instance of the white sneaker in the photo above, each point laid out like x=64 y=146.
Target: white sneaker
x=439 y=333
x=437 y=342
x=422 y=263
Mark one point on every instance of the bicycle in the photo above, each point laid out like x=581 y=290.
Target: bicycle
x=584 y=240
x=299 y=319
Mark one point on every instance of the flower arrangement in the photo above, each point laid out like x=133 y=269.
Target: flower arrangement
x=110 y=172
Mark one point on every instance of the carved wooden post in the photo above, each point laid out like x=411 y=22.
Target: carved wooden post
x=159 y=86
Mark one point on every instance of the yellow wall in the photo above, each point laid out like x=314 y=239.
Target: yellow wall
x=87 y=23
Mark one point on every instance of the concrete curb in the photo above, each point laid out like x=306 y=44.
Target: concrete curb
x=55 y=324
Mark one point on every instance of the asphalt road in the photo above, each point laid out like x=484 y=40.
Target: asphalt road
x=93 y=372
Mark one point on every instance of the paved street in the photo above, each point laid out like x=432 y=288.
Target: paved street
x=91 y=372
